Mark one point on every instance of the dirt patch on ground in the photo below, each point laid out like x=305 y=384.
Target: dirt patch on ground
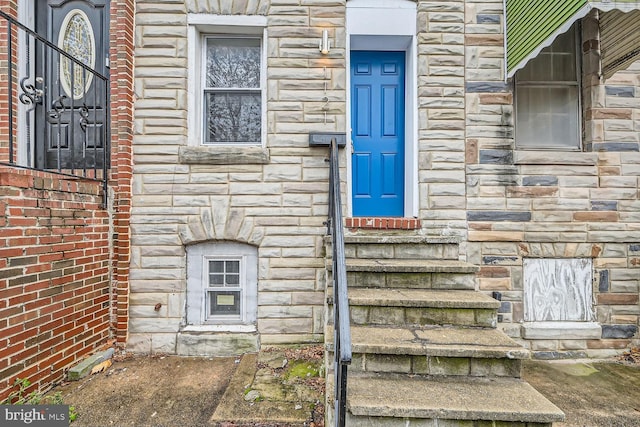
x=591 y=394
x=151 y=391
x=279 y=387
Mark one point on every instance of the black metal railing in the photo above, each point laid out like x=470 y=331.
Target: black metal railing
x=341 y=326
x=56 y=104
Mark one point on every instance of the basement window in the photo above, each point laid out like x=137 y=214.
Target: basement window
x=221 y=283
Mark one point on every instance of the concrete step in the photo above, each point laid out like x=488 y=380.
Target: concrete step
x=412 y=274
x=398 y=247
x=452 y=351
x=380 y=306
x=199 y=341
x=392 y=400
x=410 y=266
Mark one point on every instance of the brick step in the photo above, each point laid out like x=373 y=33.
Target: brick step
x=392 y=400
x=451 y=351
x=418 y=307
x=398 y=247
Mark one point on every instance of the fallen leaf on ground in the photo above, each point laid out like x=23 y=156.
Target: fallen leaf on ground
x=101 y=367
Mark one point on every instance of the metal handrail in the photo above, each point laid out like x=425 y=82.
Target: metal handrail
x=89 y=163
x=341 y=327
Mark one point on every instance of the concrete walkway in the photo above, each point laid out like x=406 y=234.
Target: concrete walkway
x=284 y=389
x=590 y=393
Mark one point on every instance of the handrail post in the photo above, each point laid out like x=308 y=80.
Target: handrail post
x=341 y=327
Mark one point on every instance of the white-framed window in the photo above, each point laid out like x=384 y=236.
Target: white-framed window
x=232 y=90
x=223 y=292
x=227 y=80
x=547 y=97
x=222 y=283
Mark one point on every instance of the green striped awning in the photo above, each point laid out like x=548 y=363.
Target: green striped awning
x=532 y=25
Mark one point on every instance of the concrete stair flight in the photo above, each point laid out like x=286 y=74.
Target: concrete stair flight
x=426 y=351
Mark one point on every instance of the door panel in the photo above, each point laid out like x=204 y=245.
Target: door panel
x=389 y=163
x=363 y=118
x=377 y=111
x=70 y=119
x=362 y=172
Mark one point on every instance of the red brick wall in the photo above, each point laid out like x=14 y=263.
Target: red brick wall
x=60 y=291
x=122 y=46
x=54 y=275
x=9 y=7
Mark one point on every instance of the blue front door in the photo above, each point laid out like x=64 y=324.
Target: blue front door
x=377 y=132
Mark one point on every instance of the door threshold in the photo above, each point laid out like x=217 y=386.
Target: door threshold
x=383 y=223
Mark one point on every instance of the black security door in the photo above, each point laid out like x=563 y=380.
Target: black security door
x=70 y=119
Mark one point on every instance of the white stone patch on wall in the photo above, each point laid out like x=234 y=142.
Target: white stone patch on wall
x=558 y=289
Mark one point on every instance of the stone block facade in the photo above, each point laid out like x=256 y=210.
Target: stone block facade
x=552 y=204
x=502 y=204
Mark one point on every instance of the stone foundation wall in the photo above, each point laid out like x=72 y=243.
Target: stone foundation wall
x=504 y=204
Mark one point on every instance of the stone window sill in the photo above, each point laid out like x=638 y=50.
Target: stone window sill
x=561 y=330
x=224 y=155
x=220 y=328
x=548 y=157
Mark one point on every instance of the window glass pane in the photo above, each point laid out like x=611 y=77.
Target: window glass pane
x=538 y=69
x=233 y=117
x=547 y=97
x=232 y=279
x=233 y=63
x=224 y=303
x=565 y=42
x=232 y=266
x=563 y=67
x=547 y=117
x=216 y=266
x=216 y=279
x=554 y=63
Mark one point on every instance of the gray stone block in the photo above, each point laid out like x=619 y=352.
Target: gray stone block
x=499 y=260
x=620 y=91
x=554 y=355
x=615 y=146
x=505 y=307
x=483 y=87
x=545 y=180
x=83 y=368
x=619 y=331
x=496 y=157
x=561 y=330
x=498 y=216
x=604 y=205
x=488 y=19
x=603 y=286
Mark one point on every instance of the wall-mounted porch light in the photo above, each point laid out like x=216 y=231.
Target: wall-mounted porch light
x=325 y=44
